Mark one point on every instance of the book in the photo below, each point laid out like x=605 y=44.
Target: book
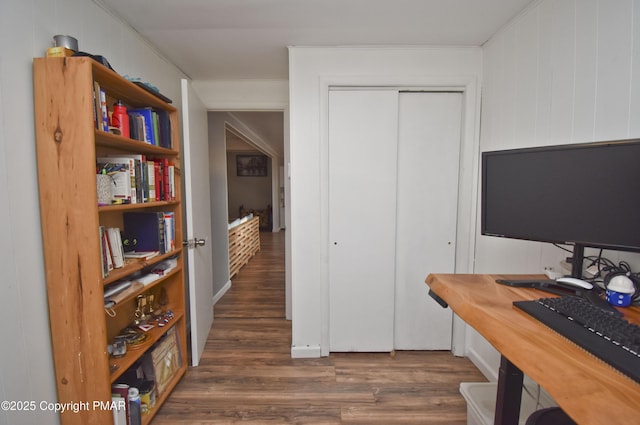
x=164 y=125
x=115 y=243
x=107 y=261
x=116 y=298
x=122 y=172
x=116 y=288
x=139 y=175
x=169 y=231
x=100 y=107
x=172 y=182
x=147 y=119
x=103 y=110
x=165 y=267
x=136 y=127
x=120 y=396
x=147 y=228
x=118 y=404
x=158 y=180
x=156 y=128
x=140 y=255
x=97 y=108
x=147 y=278
x=151 y=179
x=161 y=178
x=166 y=192
x=103 y=252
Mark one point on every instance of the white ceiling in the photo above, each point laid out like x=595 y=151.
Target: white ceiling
x=248 y=39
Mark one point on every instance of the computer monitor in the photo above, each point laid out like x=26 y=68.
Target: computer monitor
x=585 y=195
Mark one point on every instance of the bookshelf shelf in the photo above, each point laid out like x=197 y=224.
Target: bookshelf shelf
x=138 y=289
x=120 y=365
x=132 y=266
x=114 y=141
x=68 y=145
x=131 y=207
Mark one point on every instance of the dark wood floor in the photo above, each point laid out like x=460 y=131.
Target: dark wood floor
x=247 y=374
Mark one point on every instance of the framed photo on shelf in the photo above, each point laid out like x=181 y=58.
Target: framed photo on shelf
x=254 y=165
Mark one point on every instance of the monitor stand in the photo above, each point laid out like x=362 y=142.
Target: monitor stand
x=577 y=260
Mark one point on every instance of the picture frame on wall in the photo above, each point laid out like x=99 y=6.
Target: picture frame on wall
x=253 y=165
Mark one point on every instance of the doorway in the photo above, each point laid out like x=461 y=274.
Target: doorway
x=259 y=132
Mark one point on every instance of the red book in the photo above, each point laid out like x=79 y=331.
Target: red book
x=156 y=165
x=165 y=179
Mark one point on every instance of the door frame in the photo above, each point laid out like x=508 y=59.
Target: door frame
x=469 y=86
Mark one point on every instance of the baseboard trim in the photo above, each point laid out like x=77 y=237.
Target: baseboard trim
x=305 y=352
x=221 y=292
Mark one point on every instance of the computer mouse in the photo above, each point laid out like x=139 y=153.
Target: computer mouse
x=575 y=282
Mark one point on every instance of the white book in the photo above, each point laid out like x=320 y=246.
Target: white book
x=151 y=173
x=117 y=251
x=119 y=409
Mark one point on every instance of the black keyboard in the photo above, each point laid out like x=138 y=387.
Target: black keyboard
x=607 y=336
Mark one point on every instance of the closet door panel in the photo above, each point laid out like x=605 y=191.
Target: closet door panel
x=428 y=167
x=362 y=218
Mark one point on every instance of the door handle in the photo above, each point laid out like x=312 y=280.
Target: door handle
x=194 y=243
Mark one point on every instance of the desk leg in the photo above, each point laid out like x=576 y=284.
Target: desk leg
x=509 y=393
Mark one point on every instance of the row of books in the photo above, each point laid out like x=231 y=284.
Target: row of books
x=100 y=109
x=148 y=234
x=149 y=125
x=137 y=179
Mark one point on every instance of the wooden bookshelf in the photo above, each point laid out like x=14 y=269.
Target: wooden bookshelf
x=67 y=145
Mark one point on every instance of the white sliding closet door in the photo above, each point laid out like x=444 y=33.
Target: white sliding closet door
x=393 y=191
x=428 y=158
x=362 y=209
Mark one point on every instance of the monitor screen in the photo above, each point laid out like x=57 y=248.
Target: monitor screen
x=581 y=194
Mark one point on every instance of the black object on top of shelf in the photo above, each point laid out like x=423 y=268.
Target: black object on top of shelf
x=153 y=92
x=100 y=59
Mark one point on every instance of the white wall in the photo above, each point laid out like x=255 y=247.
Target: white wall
x=564 y=71
x=219 y=204
x=254 y=193
x=26 y=371
x=311 y=72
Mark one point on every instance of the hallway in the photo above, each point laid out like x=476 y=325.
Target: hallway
x=247 y=375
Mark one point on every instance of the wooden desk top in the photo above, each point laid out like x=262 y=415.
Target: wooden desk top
x=589 y=390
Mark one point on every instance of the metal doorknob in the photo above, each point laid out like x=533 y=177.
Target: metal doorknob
x=194 y=243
